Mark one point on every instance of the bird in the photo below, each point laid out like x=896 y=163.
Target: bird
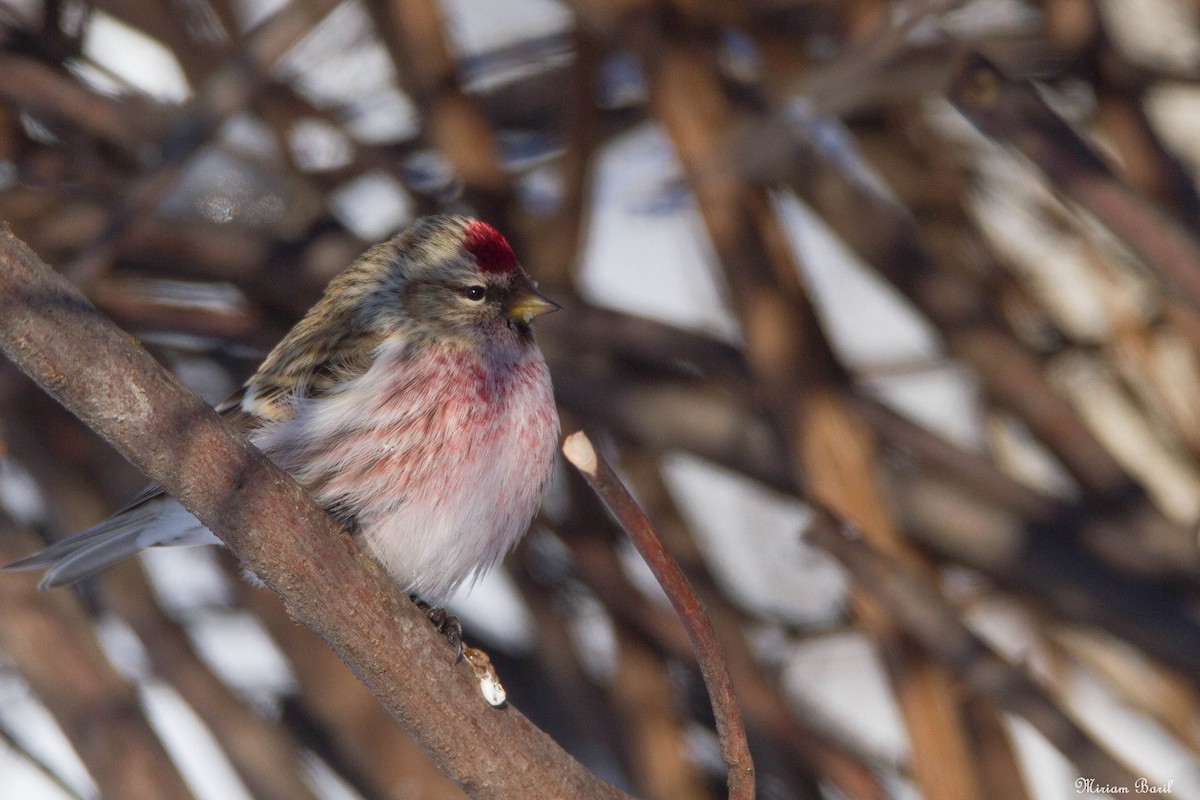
x=412 y=401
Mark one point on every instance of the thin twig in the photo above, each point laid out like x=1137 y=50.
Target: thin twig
x=600 y=476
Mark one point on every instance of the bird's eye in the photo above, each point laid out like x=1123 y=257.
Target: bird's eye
x=474 y=293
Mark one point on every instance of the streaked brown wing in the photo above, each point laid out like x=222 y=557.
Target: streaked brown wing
x=309 y=362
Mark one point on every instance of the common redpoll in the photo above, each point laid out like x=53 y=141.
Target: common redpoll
x=411 y=400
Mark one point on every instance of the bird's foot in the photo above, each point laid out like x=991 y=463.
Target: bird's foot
x=447 y=625
x=477 y=660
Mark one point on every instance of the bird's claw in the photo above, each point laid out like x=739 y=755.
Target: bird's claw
x=452 y=629
x=447 y=625
x=477 y=660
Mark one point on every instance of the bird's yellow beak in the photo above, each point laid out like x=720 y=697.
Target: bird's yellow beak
x=525 y=304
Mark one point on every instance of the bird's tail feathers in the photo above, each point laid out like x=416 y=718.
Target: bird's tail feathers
x=158 y=521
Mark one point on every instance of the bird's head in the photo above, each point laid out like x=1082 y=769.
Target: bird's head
x=452 y=278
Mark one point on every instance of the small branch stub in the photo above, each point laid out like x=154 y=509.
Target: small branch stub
x=579 y=451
